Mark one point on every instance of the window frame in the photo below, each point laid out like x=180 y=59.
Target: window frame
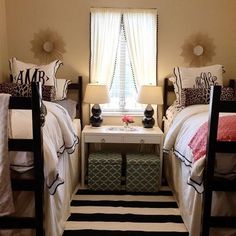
x=120 y=112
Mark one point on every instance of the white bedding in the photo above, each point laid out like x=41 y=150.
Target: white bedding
x=184 y=126
x=60 y=138
x=185 y=176
x=171 y=113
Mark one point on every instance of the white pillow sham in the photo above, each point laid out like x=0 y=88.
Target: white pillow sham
x=24 y=73
x=61 y=89
x=196 y=77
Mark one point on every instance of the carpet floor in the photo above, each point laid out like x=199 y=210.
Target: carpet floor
x=95 y=213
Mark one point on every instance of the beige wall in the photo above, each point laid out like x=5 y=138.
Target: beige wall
x=3 y=42
x=178 y=19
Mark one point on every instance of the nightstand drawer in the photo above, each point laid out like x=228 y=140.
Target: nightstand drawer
x=142 y=139
x=103 y=139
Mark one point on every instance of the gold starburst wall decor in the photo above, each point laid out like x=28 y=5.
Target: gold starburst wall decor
x=198 y=49
x=47 y=45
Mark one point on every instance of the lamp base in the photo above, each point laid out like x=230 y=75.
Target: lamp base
x=96 y=121
x=96 y=118
x=148 y=121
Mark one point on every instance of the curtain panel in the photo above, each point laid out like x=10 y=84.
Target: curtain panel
x=140 y=29
x=105 y=30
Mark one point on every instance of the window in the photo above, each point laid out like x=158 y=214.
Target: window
x=123 y=54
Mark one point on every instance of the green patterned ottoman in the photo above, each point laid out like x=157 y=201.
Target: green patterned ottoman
x=104 y=171
x=142 y=173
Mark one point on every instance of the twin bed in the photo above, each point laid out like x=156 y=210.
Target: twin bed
x=185 y=125
x=56 y=153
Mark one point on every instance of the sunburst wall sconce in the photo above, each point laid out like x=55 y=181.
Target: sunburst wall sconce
x=198 y=50
x=47 y=46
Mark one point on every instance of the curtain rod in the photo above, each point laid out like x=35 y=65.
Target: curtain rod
x=123 y=9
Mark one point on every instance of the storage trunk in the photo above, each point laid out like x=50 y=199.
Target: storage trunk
x=142 y=172
x=104 y=171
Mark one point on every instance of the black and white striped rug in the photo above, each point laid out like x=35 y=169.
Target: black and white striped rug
x=124 y=214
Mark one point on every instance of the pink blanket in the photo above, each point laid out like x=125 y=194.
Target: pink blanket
x=226 y=132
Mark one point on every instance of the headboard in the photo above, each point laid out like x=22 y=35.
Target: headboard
x=169 y=88
x=78 y=87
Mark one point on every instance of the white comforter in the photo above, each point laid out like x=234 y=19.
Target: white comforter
x=183 y=128
x=58 y=136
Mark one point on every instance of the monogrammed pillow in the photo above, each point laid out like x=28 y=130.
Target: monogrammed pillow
x=24 y=73
x=196 y=77
x=24 y=90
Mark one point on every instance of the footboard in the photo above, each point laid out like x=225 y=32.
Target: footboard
x=34 y=145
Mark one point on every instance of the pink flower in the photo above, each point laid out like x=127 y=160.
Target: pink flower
x=127 y=119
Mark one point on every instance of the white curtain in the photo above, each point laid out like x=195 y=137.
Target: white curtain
x=141 y=31
x=105 y=29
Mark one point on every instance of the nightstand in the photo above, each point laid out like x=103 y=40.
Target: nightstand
x=119 y=135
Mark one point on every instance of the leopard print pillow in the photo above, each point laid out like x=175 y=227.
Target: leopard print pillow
x=48 y=93
x=24 y=90
x=227 y=94
x=192 y=96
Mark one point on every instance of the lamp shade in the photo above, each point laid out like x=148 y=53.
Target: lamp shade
x=96 y=94
x=150 y=94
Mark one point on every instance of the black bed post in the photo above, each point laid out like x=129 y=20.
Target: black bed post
x=167 y=89
x=165 y=94
x=80 y=100
x=38 y=158
x=78 y=87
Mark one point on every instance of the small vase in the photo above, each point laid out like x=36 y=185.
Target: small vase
x=127 y=126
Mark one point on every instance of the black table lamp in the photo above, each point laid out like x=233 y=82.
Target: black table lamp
x=96 y=94
x=149 y=94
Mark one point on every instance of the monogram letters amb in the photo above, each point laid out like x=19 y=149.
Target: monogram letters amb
x=31 y=74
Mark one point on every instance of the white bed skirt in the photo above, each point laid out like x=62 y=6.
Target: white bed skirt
x=190 y=201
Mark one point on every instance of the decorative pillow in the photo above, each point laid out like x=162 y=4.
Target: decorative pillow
x=24 y=73
x=48 y=93
x=227 y=94
x=61 y=88
x=24 y=90
x=196 y=77
x=192 y=96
